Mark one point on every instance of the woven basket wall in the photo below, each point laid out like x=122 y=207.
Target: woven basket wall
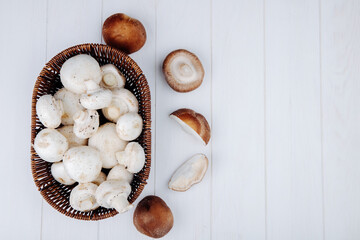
x=48 y=82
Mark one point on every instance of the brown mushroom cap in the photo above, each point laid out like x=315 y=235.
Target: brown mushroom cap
x=124 y=33
x=183 y=70
x=153 y=217
x=195 y=121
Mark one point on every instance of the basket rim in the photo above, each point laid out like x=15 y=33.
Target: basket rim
x=47 y=66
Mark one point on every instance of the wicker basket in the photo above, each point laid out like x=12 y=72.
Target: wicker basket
x=48 y=82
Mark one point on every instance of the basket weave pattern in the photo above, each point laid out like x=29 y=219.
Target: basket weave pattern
x=48 y=82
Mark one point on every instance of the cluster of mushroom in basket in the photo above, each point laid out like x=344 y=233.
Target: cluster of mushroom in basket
x=79 y=148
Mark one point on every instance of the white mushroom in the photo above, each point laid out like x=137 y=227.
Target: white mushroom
x=133 y=158
x=86 y=123
x=100 y=179
x=82 y=163
x=96 y=100
x=129 y=126
x=120 y=173
x=114 y=194
x=111 y=77
x=73 y=140
x=95 y=97
x=49 y=111
x=50 y=145
x=71 y=105
x=82 y=197
x=123 y=101
x=190 y=172
x=78 y=69
x=108 y=143
x=60 y=175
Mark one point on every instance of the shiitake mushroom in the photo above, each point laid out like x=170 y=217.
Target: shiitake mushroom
x=183 y=70
x=153 y=217
x=124 y=33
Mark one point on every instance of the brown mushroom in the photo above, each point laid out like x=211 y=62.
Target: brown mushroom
x=124 y=33
x=183 y=70
x=153 y=217
x=193 y=123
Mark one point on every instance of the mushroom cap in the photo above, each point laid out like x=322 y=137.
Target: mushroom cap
x=120 y=173
x=78 y=69
x=109 y=190
x=82 y=197
x=183 y=70
x=189 y=173
x=83 y=163
x=108 y=143
x=49 y=111
x=124 y=33
x=50 y=145
x=97 y=99
x=133 y=158
x=123 y=101
x=193 y=123
x=60 y=175
x=100 y=179
x=129 y=126
x=71 y=105
x=73 y=140
x=86 y=123
x=112 y=77
x=153 y=217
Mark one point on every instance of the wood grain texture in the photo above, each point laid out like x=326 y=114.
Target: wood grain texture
x=238 y=192
x=293 y=123
x=182 y=24
x=143 y=10
x=71 y=23
x=340 y=41
x=79 y=23
x=21 y=59
x=281 y=92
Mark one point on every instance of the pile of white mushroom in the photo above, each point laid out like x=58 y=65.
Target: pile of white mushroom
x=78 y=147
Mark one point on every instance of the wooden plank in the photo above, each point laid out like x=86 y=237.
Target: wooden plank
x=22 y=58
x=143 y=10
x=340 y=47
x=293 y=120
x=238 y=121
x=182 y=24
x=70 y=23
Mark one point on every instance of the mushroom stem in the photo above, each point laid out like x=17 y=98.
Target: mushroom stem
x=80 y=116
x=121 y=204
x=132 y=158
x=109 y=80
x=185 y=70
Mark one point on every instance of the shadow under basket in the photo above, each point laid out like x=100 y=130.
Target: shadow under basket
x=48 y=82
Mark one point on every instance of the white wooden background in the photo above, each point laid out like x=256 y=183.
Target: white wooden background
x=281 y=92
